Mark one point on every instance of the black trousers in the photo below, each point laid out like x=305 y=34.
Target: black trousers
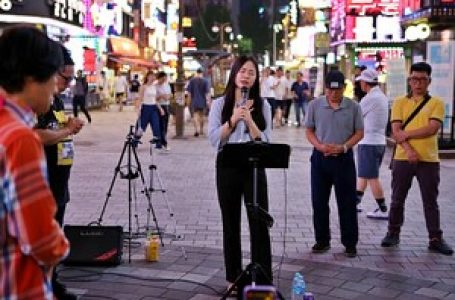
x=339 y=172
x=232 y=184
x=79 y=101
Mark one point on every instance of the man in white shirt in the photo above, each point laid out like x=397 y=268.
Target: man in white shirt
x=121 y=87
x=281 y=87
x=267 y=88
x=371 y=148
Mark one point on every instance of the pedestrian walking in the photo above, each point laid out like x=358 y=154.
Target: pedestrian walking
x=301 y=92
x=288 y=98
x=267 y=88
x=151 y=111
x=103 y=90
x=80 y=91
x=229 y=122
x=164 y=94
x=334 y=125
x=280 y=88
x=199 y=93
x=32 y=240
x=121 y=88
x=55 y=130
x=416 y=119
x=371 y=149
x=134 y=90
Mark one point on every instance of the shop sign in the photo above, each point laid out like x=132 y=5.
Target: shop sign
x=294 y=12
x=72 y=11
x=417 y=32
x=371 y=7
x=322 y=43
x=7 y=5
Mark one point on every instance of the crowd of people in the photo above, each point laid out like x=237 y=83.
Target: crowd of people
x=36 y=156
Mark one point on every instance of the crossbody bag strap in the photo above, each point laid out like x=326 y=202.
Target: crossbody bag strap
x=426 y=98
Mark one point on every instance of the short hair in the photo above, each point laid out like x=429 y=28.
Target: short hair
x=67 y=60
x=199 y=71
x=421 y=67
x=161 y=75
x=25 y=52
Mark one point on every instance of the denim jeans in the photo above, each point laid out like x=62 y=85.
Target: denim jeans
x=150 y=114
x=300 y=106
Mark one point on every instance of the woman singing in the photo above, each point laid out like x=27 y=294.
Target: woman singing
x=232 y=120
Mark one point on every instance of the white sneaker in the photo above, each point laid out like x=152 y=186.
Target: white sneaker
x=359 y=207
x=378 y=214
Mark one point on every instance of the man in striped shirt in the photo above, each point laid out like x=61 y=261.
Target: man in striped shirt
x=31 y=241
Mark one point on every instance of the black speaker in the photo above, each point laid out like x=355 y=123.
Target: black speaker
x=94 y=245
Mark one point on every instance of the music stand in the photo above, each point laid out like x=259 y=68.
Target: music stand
x=256 y=155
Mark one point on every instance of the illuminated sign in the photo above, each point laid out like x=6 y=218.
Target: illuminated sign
x=338 y=21
x=104 y=17
x=417 y=32
x=70 y=11
x=294 y=12
x=7 y=5
x=373 y=7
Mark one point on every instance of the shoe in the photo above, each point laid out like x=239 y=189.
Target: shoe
x=390 y=240
x=61 y=293
x=439 y=245
x=378 y=214
x=359 y=207
x=320 y=247
x=196 y=134
x=167 y=148
x=350 y=252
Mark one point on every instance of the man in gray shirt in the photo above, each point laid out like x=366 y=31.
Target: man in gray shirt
x=334 y=125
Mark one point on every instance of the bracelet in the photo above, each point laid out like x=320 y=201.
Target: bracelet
x=345 y=148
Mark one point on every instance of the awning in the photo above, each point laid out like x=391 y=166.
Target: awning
x=135 y=61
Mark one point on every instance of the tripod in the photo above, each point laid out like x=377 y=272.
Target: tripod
x=256 y=155
x=131 y=174
x=154 y=173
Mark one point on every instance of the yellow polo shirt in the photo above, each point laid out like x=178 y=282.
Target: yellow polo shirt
x=427 y=148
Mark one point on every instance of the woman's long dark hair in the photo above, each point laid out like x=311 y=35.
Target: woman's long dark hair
x=146 y=78
x=229 y=94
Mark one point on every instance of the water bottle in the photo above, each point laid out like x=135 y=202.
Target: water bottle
x=298 y=287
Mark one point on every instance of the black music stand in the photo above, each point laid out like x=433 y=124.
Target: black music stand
x=256 y=155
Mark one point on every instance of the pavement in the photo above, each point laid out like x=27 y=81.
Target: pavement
x=191 y=261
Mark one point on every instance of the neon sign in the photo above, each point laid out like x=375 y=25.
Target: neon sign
x=371 y=7
x=7 y=5
x=69 y=10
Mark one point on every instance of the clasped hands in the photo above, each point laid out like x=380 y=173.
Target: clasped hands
x=331 y=149
x=242 y=113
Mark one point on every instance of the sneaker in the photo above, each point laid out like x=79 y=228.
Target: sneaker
x=196 y=134
x=378 y=214
x=167 y=148
x=359 y=207
x=390 y=240
x=350 y=251
x=320 y=247
x=439 y=245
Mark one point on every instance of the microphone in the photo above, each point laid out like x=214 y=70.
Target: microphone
x=245 y=92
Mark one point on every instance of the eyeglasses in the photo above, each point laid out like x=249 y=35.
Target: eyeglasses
x=66 y=78
x=419 y=79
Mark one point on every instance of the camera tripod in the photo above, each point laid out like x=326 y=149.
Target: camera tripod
x=131 y=173
x=154 y=173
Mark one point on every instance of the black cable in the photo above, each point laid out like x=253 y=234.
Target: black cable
x=140 y=278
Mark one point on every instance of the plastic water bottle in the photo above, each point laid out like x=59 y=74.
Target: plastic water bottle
x=298 y=287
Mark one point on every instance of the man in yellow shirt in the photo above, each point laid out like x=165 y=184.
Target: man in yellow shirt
x=417 y=155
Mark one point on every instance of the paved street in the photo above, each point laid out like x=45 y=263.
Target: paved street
x=188 y=174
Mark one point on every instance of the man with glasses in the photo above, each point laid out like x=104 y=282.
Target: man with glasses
x=55 y=131
x=416 y=155
x=334 y=124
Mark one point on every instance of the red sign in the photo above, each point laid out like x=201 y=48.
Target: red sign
x=373 y=7
x=89 y=60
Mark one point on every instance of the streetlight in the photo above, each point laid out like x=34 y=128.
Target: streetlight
x=221 y=28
